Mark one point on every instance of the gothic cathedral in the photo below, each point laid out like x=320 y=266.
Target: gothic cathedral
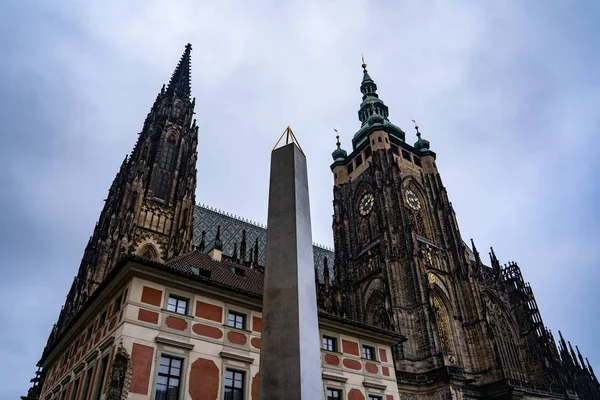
x=401 y=264
x=401 y=270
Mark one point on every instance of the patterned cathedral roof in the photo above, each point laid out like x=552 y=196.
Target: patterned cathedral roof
x=207 y=219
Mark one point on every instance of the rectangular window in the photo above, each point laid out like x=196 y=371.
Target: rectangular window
x=334 y=394
x=234 y=385
x=350 y=167
x=100 y=382
x=394 y=148
x=177 y=305
x=417 y=161
x=117 y=305
x=368 y=152
x=63 y=395
x=86 y=383
x=368 y=352
x=169 y=375
x=102 y=319
x=405 y=155
x=372 y=397
x=236 y=320
x=75 y=389
x=358 y=160
x=89 y=332
x=329 y=343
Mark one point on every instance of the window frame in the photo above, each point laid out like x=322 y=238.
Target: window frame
x=76 y=385
x=117 y=304
x=100 y=378
x=374 y=397
x=371 y=350
x=168 y=375
x=178 y=299
x=340 y=391
x=87 y=382
x=102 y=319
x=244 y=382
x=237 y=314
x=334 y=341
x=358 y=160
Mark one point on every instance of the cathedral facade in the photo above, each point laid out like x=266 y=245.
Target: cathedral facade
x=167 y=299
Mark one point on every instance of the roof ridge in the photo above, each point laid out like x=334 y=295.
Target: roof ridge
x=250 y=222
x=226 y=214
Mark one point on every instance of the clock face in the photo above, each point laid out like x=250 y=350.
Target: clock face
x=366 y=204
x=413 y=200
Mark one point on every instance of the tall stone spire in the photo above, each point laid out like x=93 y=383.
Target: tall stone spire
x=179 y=85
x=371 y=103
x=373 y=113
x=149 y=208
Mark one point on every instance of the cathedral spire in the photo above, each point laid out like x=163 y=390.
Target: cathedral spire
x=372 y=109
x=421 y=145
x=580 y=357
x=373 y=113
x=573 y=356
x=179 y=85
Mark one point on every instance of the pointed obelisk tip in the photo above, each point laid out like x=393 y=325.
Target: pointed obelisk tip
x=290 y=138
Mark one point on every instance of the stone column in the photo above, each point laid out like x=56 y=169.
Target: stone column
x=290 y=365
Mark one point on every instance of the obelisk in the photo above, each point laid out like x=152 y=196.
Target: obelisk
x=290 y=366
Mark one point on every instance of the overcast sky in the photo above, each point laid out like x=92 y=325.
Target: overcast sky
x=508 y=93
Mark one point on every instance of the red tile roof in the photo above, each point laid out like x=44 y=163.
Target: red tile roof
x=223 y=271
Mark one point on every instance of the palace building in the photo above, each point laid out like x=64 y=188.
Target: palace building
x=167 y=301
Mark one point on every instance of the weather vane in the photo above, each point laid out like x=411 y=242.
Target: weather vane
x=416 y=127
x=363 y=61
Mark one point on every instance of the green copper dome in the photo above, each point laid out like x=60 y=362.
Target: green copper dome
x=339 y=154
x=421 y=145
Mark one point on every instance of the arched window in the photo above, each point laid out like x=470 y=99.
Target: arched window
x=505 y=338
x=167 y=154
x=149 y=253
x=161 y=185
x=376 y=312
x=442 y=325
x=176 y=111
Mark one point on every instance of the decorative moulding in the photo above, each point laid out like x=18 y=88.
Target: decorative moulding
x=334 y=377
x=174 y=342
x=237 y=356
x=374 y=385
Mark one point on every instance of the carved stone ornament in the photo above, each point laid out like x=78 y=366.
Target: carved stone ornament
x=120 y=376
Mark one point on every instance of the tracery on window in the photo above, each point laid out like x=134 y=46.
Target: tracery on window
x=505 y=338
x=161 y=185
x=167 y=154
x=376 y=311
x=149 y=253
x=442 y=325
x=176 y=111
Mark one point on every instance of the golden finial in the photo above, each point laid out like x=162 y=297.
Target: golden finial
x=363 y=61
x=417 y=128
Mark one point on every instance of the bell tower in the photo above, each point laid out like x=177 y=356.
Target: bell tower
x=400 y=262
x=149 y=207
